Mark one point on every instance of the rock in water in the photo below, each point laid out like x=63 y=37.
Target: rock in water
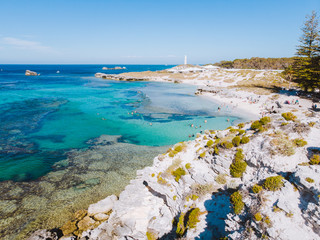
x=31 y=73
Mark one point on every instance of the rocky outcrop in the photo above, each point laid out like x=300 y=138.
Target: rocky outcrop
x=31 y=73
x=192 y=192
x=119 y=77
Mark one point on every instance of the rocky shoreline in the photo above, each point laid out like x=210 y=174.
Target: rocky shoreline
x=257 y=180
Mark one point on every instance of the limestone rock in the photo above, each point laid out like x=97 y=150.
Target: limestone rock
x=44 y=235
x=102 y=206
x=80 y=214
x=69 y=227
x=86 y=223
x=30 y=73
x=101 y=217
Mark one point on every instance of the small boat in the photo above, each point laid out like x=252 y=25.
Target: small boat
x=58 y=71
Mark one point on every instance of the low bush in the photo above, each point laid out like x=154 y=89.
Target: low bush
x=309 y=180
x=241 y=132
x=299 y=142
x=188 y=166
x=240 y=125
x=238 y=166
x=232 y=130
x=239 y=154
x=151 y=236
x=282 y=145
x=184 y=224
x=180 y=225
x=202 y=189
x=236 y=141
x=258 y=217
x=193 y=218
x=237 y=203
x=256 y=188
x=178 y=173
x=216 y=150
x=221 y=179
x=273 y=183
x=210 y=143
x=288 y=116
x=226 y=144
x=245 y=140
x=311 y=124
x=172 y=153
x=256 y=125
x=301 y=128
x=202 y=155
x=265 y=120
x=315 y=160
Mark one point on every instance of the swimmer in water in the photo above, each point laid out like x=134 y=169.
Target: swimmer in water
x=191 y=125
x=205 y=121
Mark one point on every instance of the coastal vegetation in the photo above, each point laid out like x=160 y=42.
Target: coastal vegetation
x=273 y=183
x=305 y=70
x=236 y=201
x=257 y=63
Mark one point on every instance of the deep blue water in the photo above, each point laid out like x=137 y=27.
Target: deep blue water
x=43 y=117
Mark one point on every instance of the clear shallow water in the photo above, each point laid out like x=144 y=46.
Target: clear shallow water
x=43 y=117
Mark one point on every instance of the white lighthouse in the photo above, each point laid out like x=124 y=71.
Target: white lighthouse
x=185 y=59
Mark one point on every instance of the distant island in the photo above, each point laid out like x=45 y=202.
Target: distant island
x=115 y=68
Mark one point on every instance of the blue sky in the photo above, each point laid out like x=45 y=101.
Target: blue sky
x=149 y=31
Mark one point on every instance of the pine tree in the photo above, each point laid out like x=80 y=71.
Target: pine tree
x=306 y=66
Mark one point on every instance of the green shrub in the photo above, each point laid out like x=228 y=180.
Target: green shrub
x=284 y=124
x=178 y=173
x=226 y=145
x=194 y=197
x=273 y=183
x=309 y=180
x=237 y=168
x=289 y=116
x=232 y=130
x=258 y=216
x=239 y=154
x=299 y=142
x=151 y=236
x=180 y=225
x=174 y=197
x=236 y=141
x=216 y=150
x=193 y=218
x=245 y=140
x=188 y=166
x=311 y=124
x=236 y=201
x=202 y=155
x=210 y=143
x=172 y=153
x=240 y=125
x=315 y=160
x=178 y=148
x=256 y=125
x=256 y=188
x=241 y=132
x=265 y=120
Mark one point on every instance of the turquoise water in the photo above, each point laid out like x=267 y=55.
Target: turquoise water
x=43 y=117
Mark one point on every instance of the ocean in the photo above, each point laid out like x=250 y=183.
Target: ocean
x=66 y=135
